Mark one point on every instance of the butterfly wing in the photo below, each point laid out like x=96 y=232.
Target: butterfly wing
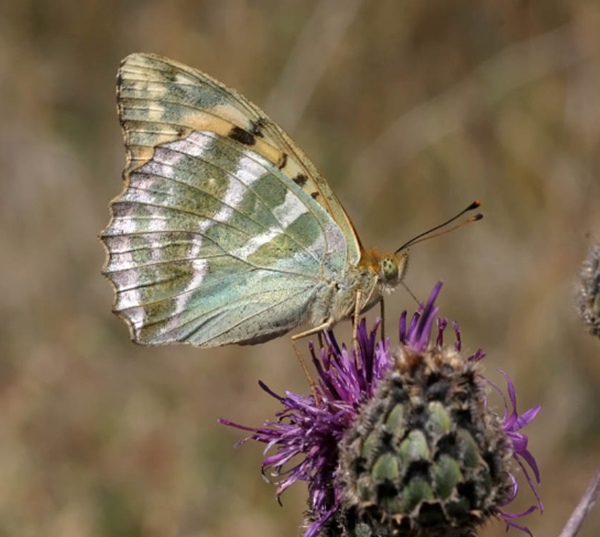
x=160 y=100
x=211 y=242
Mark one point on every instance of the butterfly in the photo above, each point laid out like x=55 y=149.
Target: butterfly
x=225 y=232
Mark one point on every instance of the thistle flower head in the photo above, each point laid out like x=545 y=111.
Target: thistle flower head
x=398 y=442
x=314 y=430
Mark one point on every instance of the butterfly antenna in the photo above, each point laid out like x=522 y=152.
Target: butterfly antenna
x=427 y=234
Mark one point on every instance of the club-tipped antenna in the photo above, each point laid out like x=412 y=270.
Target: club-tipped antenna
x=427 y=234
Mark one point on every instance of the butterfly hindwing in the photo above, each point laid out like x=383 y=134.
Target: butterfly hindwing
x=210 y=243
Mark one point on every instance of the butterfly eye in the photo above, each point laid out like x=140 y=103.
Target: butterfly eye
x=389 y=269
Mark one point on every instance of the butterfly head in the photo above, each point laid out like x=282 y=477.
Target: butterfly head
x=390 y=268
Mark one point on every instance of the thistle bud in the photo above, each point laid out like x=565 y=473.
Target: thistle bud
x=426 y=456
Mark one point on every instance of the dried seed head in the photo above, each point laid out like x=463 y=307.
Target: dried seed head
x=588 y=302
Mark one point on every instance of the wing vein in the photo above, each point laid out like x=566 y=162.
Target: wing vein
x=250 y=154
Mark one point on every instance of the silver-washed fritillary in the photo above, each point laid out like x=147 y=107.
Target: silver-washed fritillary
x=225 y=232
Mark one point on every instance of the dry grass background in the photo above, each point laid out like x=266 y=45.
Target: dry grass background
x=411 y=109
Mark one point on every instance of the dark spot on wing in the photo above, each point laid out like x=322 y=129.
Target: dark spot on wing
x=314 y=195
x=242 y=136
x=119 y=91
x=282 y=160
x=257 y=126
x=300 y=179
x=180 y=131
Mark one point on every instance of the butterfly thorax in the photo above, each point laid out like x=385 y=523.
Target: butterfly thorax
x=375 y=275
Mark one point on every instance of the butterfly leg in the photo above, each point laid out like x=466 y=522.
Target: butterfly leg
x=357 y=309
x=315 y=330
x=311 y=382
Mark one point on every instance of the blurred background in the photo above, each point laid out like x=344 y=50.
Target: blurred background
x=411 y=110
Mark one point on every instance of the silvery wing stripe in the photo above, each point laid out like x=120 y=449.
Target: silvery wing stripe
x=233 y=197
x=246 y=168
x=247 y=171
x=289 y=210
x=124 y=248
x=170 y=155
x=255 y=165
x=286 y=213
x=133 y=297
x=255 y=243
x=194 y=145
x=200 y=267
x=249 y=168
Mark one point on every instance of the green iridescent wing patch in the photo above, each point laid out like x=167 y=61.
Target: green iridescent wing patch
x=215 y=239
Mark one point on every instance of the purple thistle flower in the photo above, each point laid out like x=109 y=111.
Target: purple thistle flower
x=511 y=423
x=315 y=431
x=308 y=434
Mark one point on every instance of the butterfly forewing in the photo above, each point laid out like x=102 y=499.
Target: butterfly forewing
x=160 y=100
x=211 y=242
